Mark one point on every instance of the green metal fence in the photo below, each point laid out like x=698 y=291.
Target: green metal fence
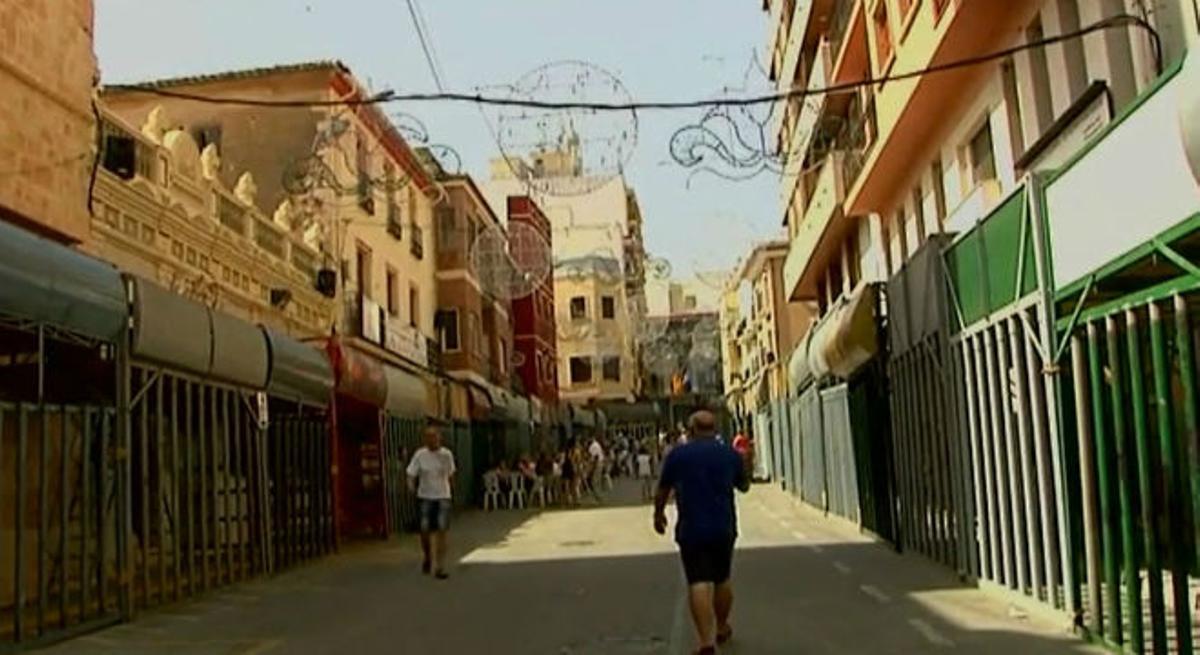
x=60 y=520
x=200 y=493
x=298 y=466
x=1134 y=387
x=402 y=438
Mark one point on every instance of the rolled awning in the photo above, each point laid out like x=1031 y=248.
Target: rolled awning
x=357 y=375
x=847 y=338
x=406 y=393
x=799 y=372
x=583 y=417
x=636 y=412
x=481 y=403
x=171 y=330
x=509 y=406
x=240 y=353
x=298 y=371
x=47 y=282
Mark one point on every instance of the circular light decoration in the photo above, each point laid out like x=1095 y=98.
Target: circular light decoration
x=606 y=265
x=518 y=359
x=646 y=329
x=510 y=265
x=571 y=151
x=658 y=268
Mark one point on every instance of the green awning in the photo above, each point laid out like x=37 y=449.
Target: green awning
x=298 y=371
x=47 y=282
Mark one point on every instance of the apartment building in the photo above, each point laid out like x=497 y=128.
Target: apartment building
x=759 y=329
x=879 y=168
x=599 y=277
x=476 y=327
x=342 y=178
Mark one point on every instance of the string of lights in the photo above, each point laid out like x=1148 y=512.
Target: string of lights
x=389 y=96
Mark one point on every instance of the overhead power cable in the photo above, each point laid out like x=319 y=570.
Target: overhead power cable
x=426 y=46
x=1120 y=21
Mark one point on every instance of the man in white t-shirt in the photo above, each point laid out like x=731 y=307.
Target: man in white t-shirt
x=596 y=452
x=429 y=475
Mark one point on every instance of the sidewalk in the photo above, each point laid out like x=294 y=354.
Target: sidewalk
x=595 y=581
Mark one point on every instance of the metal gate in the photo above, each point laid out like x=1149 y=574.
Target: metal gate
x=1134 y=381
x=198 y=492
x=842 y=468
x=795 y=437
x=813 y=483
x=870 y=429
x=401 y=438
x=60 y=520
x=299 y=454
x=931 y=462
x=1016 y=459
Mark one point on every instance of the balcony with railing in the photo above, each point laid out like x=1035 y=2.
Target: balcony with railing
x=824 y=206
x=913 y=111
x=160 y=199
x=840 y=24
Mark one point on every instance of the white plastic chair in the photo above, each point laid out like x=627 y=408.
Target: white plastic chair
x=516 y=490
x=491 y=491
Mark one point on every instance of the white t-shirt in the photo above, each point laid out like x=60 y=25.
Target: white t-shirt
x=432 y=469
x=596 y=451
x=643 y=466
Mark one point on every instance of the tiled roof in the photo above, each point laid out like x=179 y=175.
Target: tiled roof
x=247 y=73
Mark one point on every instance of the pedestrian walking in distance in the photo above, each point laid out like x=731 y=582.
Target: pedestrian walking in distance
x=645 y=473
x=429 y=475
x=702 y=474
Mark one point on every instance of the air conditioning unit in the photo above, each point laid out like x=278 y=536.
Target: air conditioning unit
x=326 y=282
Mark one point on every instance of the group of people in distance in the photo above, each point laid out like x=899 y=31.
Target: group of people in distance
x=696 y=469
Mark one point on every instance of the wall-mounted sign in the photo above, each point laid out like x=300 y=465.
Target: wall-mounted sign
x=405 y=341
x=370 y=321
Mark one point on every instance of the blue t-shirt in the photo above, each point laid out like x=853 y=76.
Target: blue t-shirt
x=703 y=474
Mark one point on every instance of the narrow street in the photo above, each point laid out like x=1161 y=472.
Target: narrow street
x=596 y=581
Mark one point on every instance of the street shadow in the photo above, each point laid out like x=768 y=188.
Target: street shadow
x=524 y=591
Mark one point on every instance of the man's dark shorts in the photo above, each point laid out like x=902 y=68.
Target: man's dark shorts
x=434 y=515
x=710 y=561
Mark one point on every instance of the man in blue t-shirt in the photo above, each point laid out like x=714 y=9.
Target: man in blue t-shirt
x=703 y=474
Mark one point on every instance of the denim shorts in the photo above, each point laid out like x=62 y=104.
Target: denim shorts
x=434 y=514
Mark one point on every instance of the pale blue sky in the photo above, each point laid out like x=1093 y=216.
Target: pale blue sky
x=661 y=49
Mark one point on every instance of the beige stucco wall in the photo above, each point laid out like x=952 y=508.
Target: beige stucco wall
x=164 y=227
x=594 y=338
x=264 y=141
x=47 y=70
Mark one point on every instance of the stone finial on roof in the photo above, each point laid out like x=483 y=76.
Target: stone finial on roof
x=284 y=215
x=156 y=125
x=210 y=162
x=246 y=189
x=185 y=155
x=313 y=235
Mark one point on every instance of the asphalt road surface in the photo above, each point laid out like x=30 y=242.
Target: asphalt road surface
x=597 y=581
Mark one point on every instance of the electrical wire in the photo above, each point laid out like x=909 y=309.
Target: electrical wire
x=1119 y=21
x=425 y=45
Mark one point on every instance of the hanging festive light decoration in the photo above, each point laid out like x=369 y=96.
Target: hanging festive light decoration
x=567 y=151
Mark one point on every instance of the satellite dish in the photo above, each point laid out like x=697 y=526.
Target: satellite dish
x=512 y=264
